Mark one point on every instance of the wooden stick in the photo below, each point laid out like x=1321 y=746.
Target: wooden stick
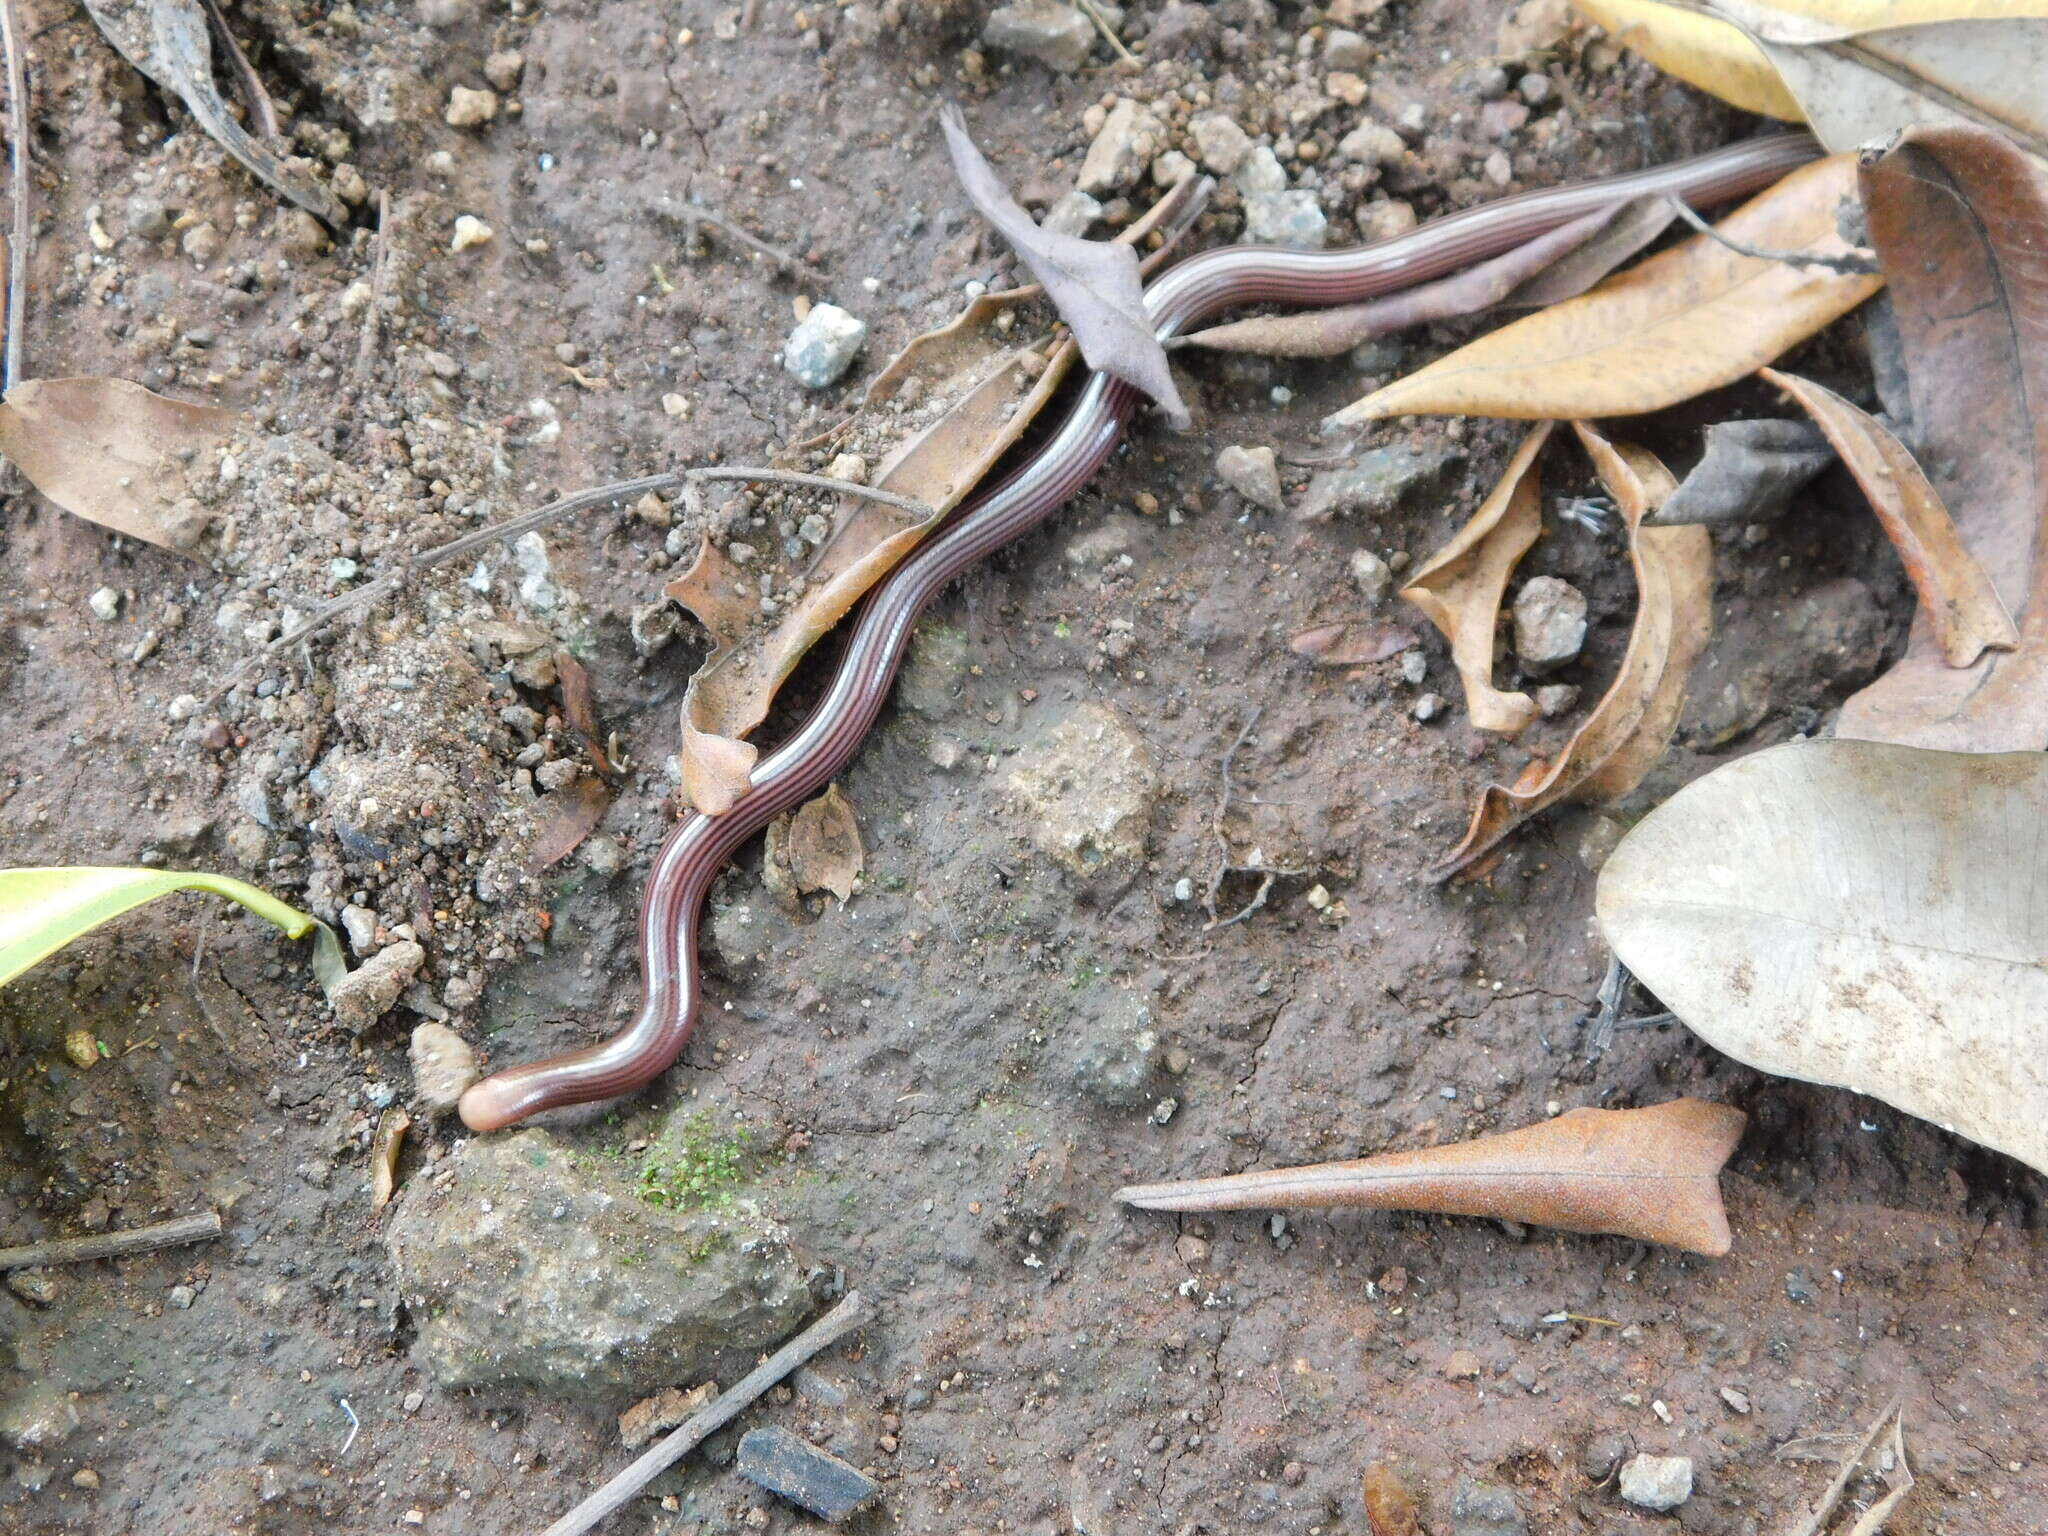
x=658 y=1458
x=112 y=1245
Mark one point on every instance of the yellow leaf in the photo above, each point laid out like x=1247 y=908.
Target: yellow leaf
x=1701 y=50
x=1688 y=320
x=42 y=910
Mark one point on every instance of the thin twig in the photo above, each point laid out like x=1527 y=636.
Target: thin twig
x=17 y=188
x=1102 y=26
x=1225 y=865
x=373 y=312
x=837 y=1323
x=782 y=259
x=262 y=111
x=112 y=1245
x=1862 y=264
x=567 y=506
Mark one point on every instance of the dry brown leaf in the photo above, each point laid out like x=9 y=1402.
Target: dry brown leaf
x=1627 y=230
x=1093 y=283
x=115 y=454
x=1626 y=733
x=1333 y=332
x=384 y=1149
x=1651 y=1174
x=567 y=816
x=1351 y=642
x=1960 y=218
x=1459 y=588
x=1683 y=322
x=994 y=385
x=823 y=845
x=579 y=708
x=1390 y=1506
x=1866 y=73
x=1956 y=596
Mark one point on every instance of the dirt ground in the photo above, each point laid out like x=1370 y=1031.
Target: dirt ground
x=914 y=1073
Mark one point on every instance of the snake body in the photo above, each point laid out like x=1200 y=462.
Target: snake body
x=699 y=846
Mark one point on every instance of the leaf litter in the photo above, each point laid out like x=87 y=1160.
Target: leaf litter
x=1676 y=325
x=1651 y=1174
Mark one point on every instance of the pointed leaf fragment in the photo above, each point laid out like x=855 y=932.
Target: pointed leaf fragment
x=1094 y=284
x=1956 y=595
x=1651 y=1174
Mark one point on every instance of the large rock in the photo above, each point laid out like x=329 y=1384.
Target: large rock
x=1086 y=789
x=527 y=1271
x=1377 y=484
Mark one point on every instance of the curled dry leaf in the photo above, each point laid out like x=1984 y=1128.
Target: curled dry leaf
x=1351 y=642
x=1858 y=914
x=167 y=40
x=115 y=454
x=1651 y=1174
x=979 y=384
x=1459 y=588
x=1094 y=284
x=1626 y=733
x=1748 y=472
x=1863 y=73
x=1333 y=332
x=384 y=1149
x=822 y=846
x=1684 y=321
x=579 y=708
x=1956 y=596
x=1959 y=218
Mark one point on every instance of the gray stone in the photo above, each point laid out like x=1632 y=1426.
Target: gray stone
x=1254 y=473
x=37 y=1287
x=1292 y=219
x=1114 y=1055
x=1373 y=577
x=443 y=1065
x=1173 y=168
x=1073 y=214
x=1536 y=89
x=469 y=108
x=788 y=1465
x=1260 y=171
x=1485 y=1509
x=1372 y=144
x=1603 y=834
x=653 y=625
x=1428 y=707
x=528 y=1271
x=1657 y=1482
x=1130 y=138
x=38 y=1415
x=1085 y=788
x=147 y=217
x=1101 y=544
x=105 y=604
x=367 y=993
x=1220 y=143
x=1555 y=699
x=1179 y=29
x=1376 y=485
x=934 y=671
x=1550 y=623
x=1346 y=50
x=360 y=924
x=1414 y=668
x=1058 y=36
x=824 y=345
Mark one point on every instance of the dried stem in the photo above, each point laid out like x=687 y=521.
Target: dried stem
x=1860 y=264
x=17 y=188
x=725 y=226
x=373 y=312
x=112 y=1245
x=262 y=111
x=567 y=506
x=834 y=1325
x=1102 y=25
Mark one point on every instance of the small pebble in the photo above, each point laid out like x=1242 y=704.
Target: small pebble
x=1371 y=575
x=788 y=1465
x=1535 y=89
x=470 y=231
x=443 y=1065
x=182 y=1297
x=1657 y=1482
x=1428 y=707
x=1555 y=699
x=86 y=1478
x=1736 y=1399
x=824 y=345
x=504 y=69
x=105 y=604
x=1254 y=473
x=1414 y=668
x=470 y=108
x=1550 y=623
